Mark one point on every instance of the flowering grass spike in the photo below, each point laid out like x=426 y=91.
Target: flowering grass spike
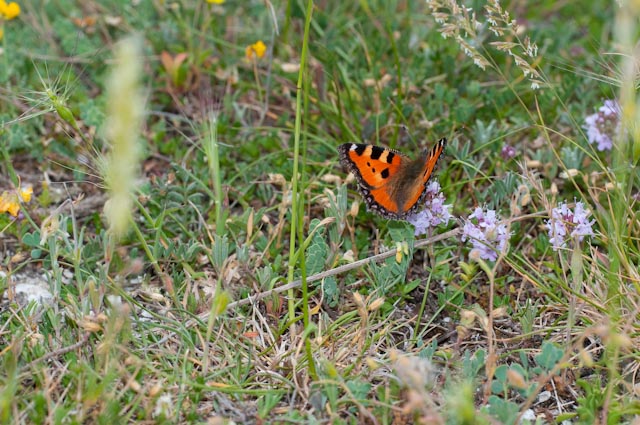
x=565 y=222
x=604 y=125
x=488 y=237
x=435 y=212
x=125 y=111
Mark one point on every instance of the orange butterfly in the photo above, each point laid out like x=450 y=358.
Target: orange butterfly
x=392 y=184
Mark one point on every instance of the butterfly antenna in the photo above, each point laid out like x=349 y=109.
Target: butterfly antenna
x=458 y=131
x=404 y=128
x=406 y=133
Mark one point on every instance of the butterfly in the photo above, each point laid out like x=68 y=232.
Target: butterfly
x=392 y=184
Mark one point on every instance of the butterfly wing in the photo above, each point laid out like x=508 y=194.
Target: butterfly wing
x=374 y=168
x=392 y=185
x=432 y=159
x=413 y=185
x=372 y=165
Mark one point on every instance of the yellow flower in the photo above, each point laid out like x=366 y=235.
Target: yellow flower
x=215 y=1
x=9 y=203
x=255 y=50
x=10 y=200
x=9 y=10
x=25 y=193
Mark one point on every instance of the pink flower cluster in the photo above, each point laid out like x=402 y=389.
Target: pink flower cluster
x=604 y=125
x=565 y=222
x=488 y=235
x=435 y=212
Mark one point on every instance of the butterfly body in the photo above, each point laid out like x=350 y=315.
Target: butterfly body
x=392 y=184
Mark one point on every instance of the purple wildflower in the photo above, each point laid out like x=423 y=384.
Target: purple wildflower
x=563 y=221
x=435 y=212
x=488 y=237
x=604 y=125
x=508 y=152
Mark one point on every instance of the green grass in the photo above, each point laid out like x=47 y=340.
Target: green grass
x=235 y=274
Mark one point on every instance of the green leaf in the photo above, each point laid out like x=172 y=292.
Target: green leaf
x=267 y=402
x=317 y=254
x=408 y=287
x=499 y=385
x=32 y=239
x=331 y=291
x=549 y=356
x=471 y=366
x=505 y=411
x=359 y=389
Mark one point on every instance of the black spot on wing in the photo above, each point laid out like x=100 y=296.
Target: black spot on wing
x=376 y=152
x=440 y=145
x=385 y=173
x=359 y=150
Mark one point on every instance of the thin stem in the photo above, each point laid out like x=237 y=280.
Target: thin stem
x=295 y=197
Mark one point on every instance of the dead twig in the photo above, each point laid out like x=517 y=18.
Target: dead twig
x=333 y=272
x=61 y=351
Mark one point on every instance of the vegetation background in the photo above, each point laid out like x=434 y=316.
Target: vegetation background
x=180 y=244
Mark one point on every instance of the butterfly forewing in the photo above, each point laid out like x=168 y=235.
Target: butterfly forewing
x=372 y=165
x=432 y=159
